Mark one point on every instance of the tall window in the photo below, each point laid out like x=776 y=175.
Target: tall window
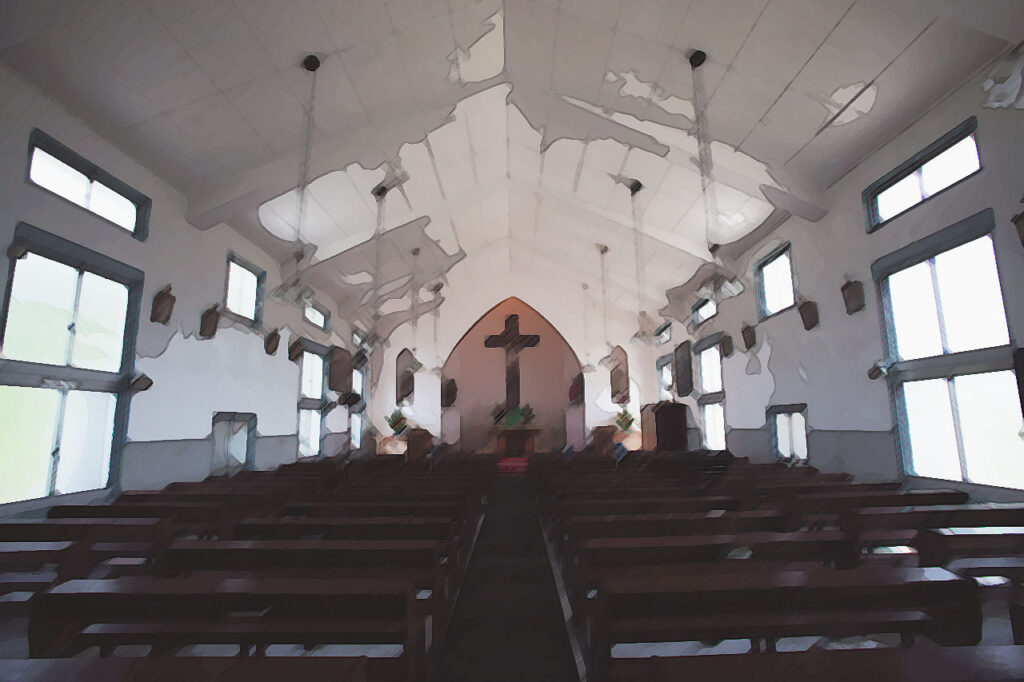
x=311 y=397
x=944 y=163
x=712 y=398
x=664 y=367
x=67 y=353
x=56 y=168
x=244 y=290
x=704 y=310
x=774 y=275
x=789 y=431
x=958 y=408
x=356 y=423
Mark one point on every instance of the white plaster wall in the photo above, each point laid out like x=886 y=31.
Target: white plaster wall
x=827 y=366
x=192 y=378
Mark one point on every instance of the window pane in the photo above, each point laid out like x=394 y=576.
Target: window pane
x=899 y=197
x=971 y=298
x=315 y=316
x=952 y=165
x=86 y=432
x=798 y=430
x=704 y=311
x=777 y=281
x=238 y=441
x=312 y=375
x=990 y=424
x=933 y=450
x=714 y=426
x=58 y=177
x=242 y=286
x=915 y=318
x=309 y=433
x=355 y=427
x=112 y=206
x=783 y=436
x=99 y=326
x=710 y=370
x=28 y=417
x=42 y=300
x=357 y=383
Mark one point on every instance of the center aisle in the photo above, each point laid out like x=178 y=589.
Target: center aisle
x=508 y=623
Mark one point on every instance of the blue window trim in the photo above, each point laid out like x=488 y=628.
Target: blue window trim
x=31 y=238
x=50 y=145
x=870 y=195
x=762 y=310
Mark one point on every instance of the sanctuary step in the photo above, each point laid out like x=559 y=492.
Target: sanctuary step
x=513 y=466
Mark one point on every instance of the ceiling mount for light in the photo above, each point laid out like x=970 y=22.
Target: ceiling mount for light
x=311 y=62
x=697 y=57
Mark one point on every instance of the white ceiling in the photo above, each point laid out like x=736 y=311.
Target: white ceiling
x=509 y=117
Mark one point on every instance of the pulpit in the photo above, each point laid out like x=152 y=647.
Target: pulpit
x=663 y=426
x=519 y=442
x=419 y=443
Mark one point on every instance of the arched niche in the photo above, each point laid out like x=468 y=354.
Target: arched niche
x=405 y=376
x=618 y=375
x=546 y=372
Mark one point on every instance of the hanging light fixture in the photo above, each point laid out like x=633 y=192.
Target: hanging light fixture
x=289 y=289
x=607 y=361
x=587 y=366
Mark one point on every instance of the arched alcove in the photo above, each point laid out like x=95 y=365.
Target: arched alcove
x=480 y=365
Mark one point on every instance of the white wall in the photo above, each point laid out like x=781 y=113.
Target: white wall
x=193 y=378
x=848 y=414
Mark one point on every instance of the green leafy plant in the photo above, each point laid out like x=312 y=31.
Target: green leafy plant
x=397 y=421
x=624 y=420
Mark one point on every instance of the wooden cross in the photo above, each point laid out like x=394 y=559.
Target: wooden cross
x=513 y=342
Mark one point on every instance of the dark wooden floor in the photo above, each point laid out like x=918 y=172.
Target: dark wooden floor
x=508 y=623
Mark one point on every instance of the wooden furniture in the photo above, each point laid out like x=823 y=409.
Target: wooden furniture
x=663 y=426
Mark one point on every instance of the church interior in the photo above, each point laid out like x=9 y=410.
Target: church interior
x=485 y=340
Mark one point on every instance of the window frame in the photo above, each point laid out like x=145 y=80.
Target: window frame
x=710 y=398
x=322 y=405
x=37 y=139
x=948 y=365
x=660 y=364
x=771 y=413
x=869 y=197
x=28 y=238
x=774 y=254
x=261 y=278
x=697 y=306
x=320 y=309
x=250 y=436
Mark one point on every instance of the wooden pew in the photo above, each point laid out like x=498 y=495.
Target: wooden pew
x=644 y=505
x=356 y=508
x=945 y=664
x=819 y=506
x=770 y=605
x=358 y=528
x=169 y=613
x=937 y=546
x=194 y=669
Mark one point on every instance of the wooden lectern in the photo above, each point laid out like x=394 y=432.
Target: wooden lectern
x=664 y=427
